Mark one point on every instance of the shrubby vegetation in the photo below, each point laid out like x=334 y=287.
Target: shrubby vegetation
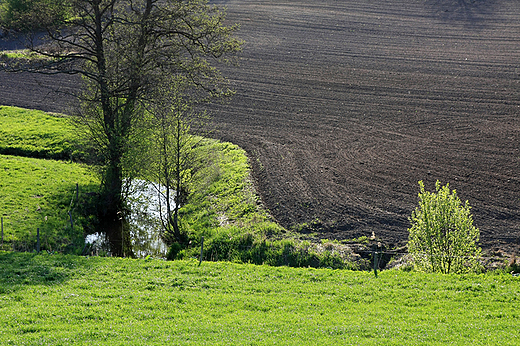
x=442 y=237
x=31 y=15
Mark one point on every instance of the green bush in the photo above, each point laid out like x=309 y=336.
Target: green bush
x=442 y=237
x=30 y=15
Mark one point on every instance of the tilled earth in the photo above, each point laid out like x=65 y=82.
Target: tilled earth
x=343 y=106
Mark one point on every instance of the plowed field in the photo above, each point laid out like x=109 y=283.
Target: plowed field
x=343 y=106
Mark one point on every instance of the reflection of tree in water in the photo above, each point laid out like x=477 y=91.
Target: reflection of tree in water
x=144 y=226
x=468 y=12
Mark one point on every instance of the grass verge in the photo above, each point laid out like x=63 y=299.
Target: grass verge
x=225 y=209
x=64 y=300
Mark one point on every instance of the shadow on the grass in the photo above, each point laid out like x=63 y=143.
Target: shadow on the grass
x=26 y=269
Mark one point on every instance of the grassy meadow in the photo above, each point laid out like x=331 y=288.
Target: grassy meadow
x=33 y=133
x=72 y=300
x=36 y=193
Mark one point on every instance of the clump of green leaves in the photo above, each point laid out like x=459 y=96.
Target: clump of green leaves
x=442 y=237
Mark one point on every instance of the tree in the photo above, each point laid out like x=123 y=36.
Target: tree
x=125 y=51
x=442 y=237
x=173 y=161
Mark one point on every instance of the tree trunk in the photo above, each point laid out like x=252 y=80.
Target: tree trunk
x=112 y=218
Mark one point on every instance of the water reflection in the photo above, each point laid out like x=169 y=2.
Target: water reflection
x=144 y=202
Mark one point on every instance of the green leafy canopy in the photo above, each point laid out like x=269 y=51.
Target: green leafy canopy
x=442 y=237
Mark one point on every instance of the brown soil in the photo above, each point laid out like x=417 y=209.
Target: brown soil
x=343 y=106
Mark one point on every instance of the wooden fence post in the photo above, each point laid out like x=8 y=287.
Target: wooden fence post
x=376 y=265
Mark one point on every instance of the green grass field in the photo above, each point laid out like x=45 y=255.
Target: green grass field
x=70 y=300
x=36 y=193
x=32 y=133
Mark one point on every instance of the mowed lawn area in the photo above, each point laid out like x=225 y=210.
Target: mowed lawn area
x=72 y=300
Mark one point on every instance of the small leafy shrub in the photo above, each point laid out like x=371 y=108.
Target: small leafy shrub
x=442 y=237
x=173 y=251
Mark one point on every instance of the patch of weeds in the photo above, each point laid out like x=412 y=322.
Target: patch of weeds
x=314 y=226
x=234 y=246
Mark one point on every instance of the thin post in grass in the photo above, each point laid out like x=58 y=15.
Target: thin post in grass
x=201 y=249
x=2 y=223
x=37 y=240
x=375 y=260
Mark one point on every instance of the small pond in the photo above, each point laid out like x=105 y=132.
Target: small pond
x=145 y=223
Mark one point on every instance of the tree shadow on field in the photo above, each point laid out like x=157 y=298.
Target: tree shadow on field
x=218 y=2
x=471 y=13
x=18 y=270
